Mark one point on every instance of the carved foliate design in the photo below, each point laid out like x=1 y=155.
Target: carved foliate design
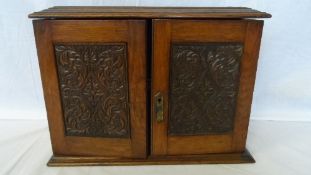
x=93 y=83
x=204 y=79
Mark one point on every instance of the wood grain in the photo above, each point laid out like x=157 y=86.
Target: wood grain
x=47 y=33
x=212 y=31
x=79 y=12
x=223 y=158
x=187 y=145
x=137 y=86
x=247 y=82
x=149 y=34
x=160 y=77
x=208 y=30
x=45 y=50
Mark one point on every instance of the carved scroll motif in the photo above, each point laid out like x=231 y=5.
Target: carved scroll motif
x=204 y=79
x=93 y=82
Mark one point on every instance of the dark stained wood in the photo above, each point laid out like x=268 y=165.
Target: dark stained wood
x=49 y=32
x=224 y=158
x=71 y=12
x=204 y=80
x=205 y=32
x=85 y=73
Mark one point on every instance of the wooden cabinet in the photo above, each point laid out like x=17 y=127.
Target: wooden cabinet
x=125 y=85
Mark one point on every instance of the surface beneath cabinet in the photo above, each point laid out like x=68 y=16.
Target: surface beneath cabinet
x=279 y=148
x=148 y=12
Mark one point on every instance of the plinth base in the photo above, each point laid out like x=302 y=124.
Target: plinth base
x=224 y=158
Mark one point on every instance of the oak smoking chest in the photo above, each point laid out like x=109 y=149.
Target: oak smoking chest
x=148 y=85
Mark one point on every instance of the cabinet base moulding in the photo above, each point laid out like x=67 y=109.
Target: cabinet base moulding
x=223 y=158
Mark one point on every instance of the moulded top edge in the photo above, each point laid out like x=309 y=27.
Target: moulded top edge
x=93 y=12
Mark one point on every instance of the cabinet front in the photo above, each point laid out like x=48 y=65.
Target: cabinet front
x=202 y=83
x=94 y=81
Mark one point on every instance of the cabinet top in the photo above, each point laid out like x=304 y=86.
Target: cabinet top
x=96 y=12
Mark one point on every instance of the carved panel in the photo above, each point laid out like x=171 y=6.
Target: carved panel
x=204 y=79
x=94 y=89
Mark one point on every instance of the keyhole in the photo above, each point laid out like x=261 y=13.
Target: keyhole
x=159 y=100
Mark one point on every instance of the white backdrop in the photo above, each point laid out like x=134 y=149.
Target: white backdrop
x=283 y=85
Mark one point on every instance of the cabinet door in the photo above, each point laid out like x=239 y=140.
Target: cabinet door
x=94 y=82
x=202 y=84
